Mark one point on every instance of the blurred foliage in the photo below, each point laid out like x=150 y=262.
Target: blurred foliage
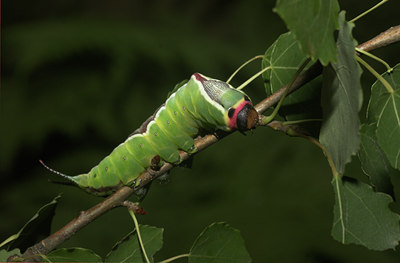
x=79 y=76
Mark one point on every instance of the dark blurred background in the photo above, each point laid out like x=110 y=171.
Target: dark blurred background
x=79 y=76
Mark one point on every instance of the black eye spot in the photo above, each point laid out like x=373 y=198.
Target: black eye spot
x=246 y=98
x=231 y=111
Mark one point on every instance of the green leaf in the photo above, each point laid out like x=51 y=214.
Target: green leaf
x=313 y=23
x=284 y=57
x=373 y=161
x=75 y=254
x=384 y=109
x=341 y=100
x=128 y=248
x=362 y=216
x=6 y=256
x=219 y=243
x=37 y=228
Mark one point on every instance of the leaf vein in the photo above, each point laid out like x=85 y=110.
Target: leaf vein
x=355 y=237
x=381 y=113
x=340 y=210
x=366 y=207
x=395 y=111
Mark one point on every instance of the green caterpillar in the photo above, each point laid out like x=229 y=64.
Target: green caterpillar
x=202 y=103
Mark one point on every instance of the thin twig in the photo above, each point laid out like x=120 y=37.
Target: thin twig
x=51 y=242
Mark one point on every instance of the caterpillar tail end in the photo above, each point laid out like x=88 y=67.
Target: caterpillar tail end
x=69 y=178
x=82 y=181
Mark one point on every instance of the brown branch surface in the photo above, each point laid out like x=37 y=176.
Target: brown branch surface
x=390 y=36
x=385 y=38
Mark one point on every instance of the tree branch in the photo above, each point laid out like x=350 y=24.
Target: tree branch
x=390 y=36
x=385 y=38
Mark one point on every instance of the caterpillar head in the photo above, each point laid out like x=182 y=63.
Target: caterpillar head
x=238 y=108
x=243 y=116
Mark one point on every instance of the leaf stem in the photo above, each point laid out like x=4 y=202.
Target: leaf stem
x=328 y=156
x=243 y=65
x=253 y=77
x=45 y=258
x=389 y=69
x=368 y=11
x=174 y=258
x=294 y=131
x=269 y=118
x=300 y=121
x=138 y=234
x=340 y=209
x=376 y=74
x=9 y=239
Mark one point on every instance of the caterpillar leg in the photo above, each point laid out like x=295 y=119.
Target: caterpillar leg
x=164 y=178
x=142 y=192
x=187 y=163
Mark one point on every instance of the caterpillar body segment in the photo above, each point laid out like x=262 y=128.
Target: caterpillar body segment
x=202 y=103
